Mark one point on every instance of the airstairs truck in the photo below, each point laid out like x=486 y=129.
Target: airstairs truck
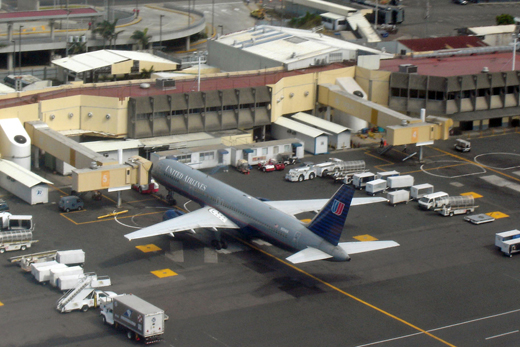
x=85 y=295
x=140 y=319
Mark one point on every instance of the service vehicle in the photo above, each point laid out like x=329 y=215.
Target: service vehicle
x=340 y=170
x=508 y=242
x=306 y=171
x=480 y=218
x=243 y=166
x=456 y=205
x=385 y=174
x=428 y=201
x=287 y=158
x=140 y=319
x=420 y=190
x=71 y=203
x=462 y=145
x=398 y=196
x=16 y=240
x=376 y=186
x=84 y=295
x=270 y=165
x=27 y=260
x=259 y=13
x=360 y=180
x=4 y=207
x=10 y=222
x=400 y=182
x=149 y=188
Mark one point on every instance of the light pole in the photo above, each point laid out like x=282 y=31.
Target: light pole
x=67 y=38
x=14 y=55
x=160 y=31
x=20 y=48
x=212 y=17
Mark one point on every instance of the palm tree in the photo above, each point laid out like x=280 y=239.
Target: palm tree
x=107 y=30
x=142 y=38
x=77 y=47
x=147 y=73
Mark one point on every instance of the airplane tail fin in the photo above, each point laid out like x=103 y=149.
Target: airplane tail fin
x=329 y=223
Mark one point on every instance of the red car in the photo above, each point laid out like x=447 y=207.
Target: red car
x=271 y=165
x=146 y=188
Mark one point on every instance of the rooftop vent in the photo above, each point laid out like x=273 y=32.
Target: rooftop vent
x=485 y=69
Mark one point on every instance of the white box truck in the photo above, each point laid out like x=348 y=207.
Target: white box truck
x=400 y=182
x=508 y=242
x=419 y=190
x=398 y=196
x=140 y=319
x=429 y=201
x=360 y=180
x=375 y=186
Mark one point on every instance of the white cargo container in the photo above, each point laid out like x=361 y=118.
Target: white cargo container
x=69 y=281
x=508 y=242
x=385 y=174
x=400 y=182
x=72 y=257
x=376 y=186
x=360 y=180
x=43 y=274
x=36 y=266
x=420 y=190
x=66 y=271
x=398 y=196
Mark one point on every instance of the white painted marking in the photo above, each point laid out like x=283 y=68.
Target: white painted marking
x=260 y=242
x=210 y=256
x=501 y=182
x=176 y=253
x=456 y=184
x=440 y=328
x=497 y=153
x=426 y=171
x=516 y=173
x=504 y=334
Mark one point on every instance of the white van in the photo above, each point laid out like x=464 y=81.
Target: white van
x=428 y=201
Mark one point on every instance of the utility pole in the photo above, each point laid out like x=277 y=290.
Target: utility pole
x=20 y=47
x=160 y=31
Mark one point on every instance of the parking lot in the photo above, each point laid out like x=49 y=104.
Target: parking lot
x=445 y=285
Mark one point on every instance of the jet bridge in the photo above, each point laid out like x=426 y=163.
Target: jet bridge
x=94 y=171
x=400 y=129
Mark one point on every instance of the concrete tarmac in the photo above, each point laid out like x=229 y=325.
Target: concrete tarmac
x=446 y=285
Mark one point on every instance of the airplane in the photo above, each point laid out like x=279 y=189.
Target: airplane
x=224 y=207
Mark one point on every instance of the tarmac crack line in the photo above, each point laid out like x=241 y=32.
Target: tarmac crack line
x=421 y=331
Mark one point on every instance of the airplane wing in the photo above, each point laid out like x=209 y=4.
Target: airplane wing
x=293 y=207
x=366 y=246
x=205 y=217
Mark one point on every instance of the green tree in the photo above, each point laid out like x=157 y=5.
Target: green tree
x=107 y=30
x=147 y=73
x=142 y=38
x=505 y=19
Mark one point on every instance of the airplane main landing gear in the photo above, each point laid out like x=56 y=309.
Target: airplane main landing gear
x=218 y=243
x=170 y=199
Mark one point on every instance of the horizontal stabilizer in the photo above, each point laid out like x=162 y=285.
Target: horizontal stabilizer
x=308 y=254
x=366 y=246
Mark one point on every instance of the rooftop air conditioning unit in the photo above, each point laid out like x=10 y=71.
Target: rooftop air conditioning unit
x=408 y=68
x=165 y=83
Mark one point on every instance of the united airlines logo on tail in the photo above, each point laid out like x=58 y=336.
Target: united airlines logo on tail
x=337 y=207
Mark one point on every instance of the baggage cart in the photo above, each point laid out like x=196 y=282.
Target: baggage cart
x=420 y=190
x=72 y=257
x=398 y=196
x=66 y=271
x=376 y=186
x=385 y=174
x=400 y=182
x=360 y=180
x=508 y=242
x=43 y=274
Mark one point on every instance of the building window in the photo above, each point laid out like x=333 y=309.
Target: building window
x=264 y=151
x=287 y=148
x=276 y=149
x=207 y=156
x=186 y=158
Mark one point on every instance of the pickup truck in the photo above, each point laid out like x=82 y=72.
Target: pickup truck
x=306 y=171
